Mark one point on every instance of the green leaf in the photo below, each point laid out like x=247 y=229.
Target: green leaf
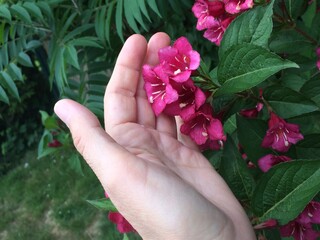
x=311 y=89
x=244 y=66
x=309 y=147
x=288 y=103
x=67 y=24
x=254 y=26
x=33 y=9
x=47 y=151
x=3 y=96
x=75 y=163
x=9 y=84
x=77 y=31
x=292 y=81
x=284 y=191
x=86 y=42
x=129 y=14
x=250 y=134
x=108 y=21
x=46 y=9
x=295 y=7
x=153 y=5
x=230 y=125
x=284 y=40
x=33 y=44
x=235 y=172
x=21 y=13
x=5 y=13
x=100 y=22
x=176 y=6
x=44 y=117
x=48 y=121
x=143 y=8
x=304 y=122
x=4 y=54
x=119 y=12
x=135 y=9
x=24 y=59
x=43 y=150
x=103 y=204
x=125 y=237
x=214 y=157
x=72 y=56
x=15 y=71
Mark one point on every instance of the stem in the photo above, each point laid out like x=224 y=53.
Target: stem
x=290 y=22
x=284 y=8
x=318 y=72
x=206 y=78
x=306 y=35
x=258 y=99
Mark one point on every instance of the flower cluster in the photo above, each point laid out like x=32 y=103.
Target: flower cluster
x=123 y=225
x=170 y=90
x=301 y=227
x=280 y=136
x=214 y=16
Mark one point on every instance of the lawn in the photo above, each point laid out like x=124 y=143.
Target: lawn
x=46 y=199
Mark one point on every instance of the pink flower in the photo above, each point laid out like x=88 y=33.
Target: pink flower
x=267 y=224
x=311 y=213
x=236 y=6
x=191 y=98
x=299 y=231
x=251 y=112
x=266 y=162
x=54 y=144
x=281 y=135
x=301 y=227
x=215 y=31
x=123 y=225
x=207 y=11
x=158 y=89
x=201 y=127
x=212 y=144
x=179 y=60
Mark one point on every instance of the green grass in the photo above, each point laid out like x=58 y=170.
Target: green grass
x=46 y=199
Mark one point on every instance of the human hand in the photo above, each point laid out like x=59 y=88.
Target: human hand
x=156 y=178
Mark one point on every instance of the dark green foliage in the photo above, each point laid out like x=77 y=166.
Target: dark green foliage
x=19 y=122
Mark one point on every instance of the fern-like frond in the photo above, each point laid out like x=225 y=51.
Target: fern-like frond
x=22 y=29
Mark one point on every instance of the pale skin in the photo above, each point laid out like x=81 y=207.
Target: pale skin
x=157 y=178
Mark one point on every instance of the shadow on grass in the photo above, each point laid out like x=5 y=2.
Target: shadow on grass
x=45 y=199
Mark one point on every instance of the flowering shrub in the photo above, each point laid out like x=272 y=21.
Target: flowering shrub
x=261 y=97
x=248 y=92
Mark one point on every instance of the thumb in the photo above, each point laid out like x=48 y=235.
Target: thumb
x=106 y=157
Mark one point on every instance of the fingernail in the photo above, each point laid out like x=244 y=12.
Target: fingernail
x=62 y=110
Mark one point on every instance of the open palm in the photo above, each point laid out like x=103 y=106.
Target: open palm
x=156 y=177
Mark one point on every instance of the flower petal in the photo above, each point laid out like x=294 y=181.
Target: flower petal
x=194 y=57
x=182 y=45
